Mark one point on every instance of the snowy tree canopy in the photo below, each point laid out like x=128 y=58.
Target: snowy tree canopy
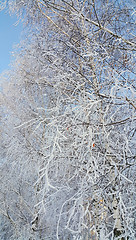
x=68 y=123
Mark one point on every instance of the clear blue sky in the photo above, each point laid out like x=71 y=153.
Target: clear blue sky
x=9 y=36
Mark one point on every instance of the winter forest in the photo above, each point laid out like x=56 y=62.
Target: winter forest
x=68 y=122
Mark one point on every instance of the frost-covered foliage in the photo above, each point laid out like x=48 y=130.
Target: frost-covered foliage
x=68 y=124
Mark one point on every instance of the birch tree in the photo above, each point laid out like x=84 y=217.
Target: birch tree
x=69 y=123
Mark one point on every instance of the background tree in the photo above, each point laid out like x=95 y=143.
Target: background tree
x=68 y=125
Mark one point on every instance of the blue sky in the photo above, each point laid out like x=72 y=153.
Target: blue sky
x=9 y=36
